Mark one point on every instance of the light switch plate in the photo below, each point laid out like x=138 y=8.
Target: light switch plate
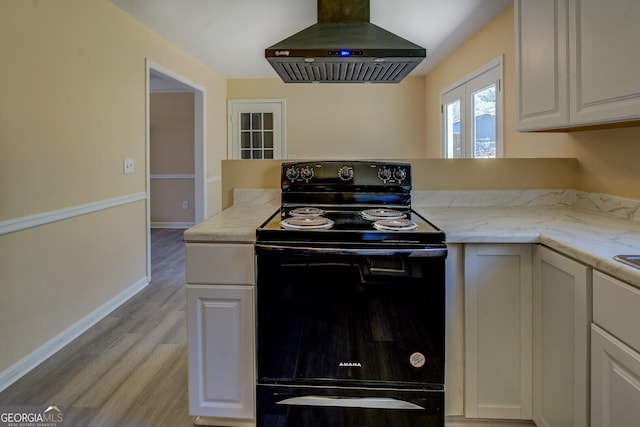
x=128 y=166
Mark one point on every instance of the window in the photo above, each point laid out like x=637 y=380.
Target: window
x=256 y=129
x=472 y=115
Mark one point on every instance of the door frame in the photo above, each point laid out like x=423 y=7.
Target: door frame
x=200 y=158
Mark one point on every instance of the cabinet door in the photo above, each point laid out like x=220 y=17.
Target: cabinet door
x=498 y=331
x=542 y=74
x=454 y=332
x=561 y=329
x=615 y=381
x=220 y=324
x=604 y=62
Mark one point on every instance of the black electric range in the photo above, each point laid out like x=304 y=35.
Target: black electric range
x=350 y=301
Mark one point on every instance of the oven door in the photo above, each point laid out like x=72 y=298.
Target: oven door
x=349 y=318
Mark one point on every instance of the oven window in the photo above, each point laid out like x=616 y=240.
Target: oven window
x=351 y=320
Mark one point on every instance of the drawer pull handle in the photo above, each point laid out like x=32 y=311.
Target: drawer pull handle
x=350 y=402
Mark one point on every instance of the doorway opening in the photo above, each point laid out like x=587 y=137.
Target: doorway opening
x=175 y=163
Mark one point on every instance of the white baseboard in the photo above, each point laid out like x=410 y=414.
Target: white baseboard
x=228 y=422
x=157 y=224
x=460 y=421
x=30 y=361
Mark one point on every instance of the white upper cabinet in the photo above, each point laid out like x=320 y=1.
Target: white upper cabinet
x=605 y=65
x=575 y=63
x=542 y=64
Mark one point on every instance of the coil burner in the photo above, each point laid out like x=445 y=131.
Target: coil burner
x=306 y=211
x=306 y=222
x=381 y=213
x=399 y=224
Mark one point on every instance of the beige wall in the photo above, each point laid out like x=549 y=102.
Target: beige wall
x=428 y=174
x=72 y=107
x=609 y=161
x=346 y=120
x=171 y=129
x=52 y=276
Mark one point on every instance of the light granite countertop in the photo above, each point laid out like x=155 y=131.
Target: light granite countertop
x=587 y=227
x=238 y=223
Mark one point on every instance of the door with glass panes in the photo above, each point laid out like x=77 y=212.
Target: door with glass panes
x=472 y=116
x=255 y=130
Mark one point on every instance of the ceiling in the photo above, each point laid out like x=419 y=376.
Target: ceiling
x=231 y=35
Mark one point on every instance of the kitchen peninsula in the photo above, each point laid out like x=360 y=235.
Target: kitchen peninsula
x=584 y=229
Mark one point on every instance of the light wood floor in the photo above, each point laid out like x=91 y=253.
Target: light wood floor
x=130 y=369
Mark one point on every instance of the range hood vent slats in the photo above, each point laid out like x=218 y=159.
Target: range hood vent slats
x=331 y=72
x=341 y=48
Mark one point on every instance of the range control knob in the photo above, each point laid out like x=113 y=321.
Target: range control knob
x=400 y=174
x=384 y=174
x=292 y=173
x=345 y=173
x=306 y=173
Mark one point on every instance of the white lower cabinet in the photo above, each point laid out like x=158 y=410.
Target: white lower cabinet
x=561 y=329
x=221 y=352
x=221 y=333
x=615 y=353
x=615 y=381
x=454 y=332
x=497 y=285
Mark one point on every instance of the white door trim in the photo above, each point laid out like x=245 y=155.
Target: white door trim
x=200 y=158
x=277 y=106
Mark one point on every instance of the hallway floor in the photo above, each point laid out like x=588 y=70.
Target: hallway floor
x=130 y=369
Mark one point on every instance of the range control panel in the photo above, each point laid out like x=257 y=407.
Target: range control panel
x=341 y=174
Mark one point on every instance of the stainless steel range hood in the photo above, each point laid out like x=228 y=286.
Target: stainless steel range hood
x=344 y=47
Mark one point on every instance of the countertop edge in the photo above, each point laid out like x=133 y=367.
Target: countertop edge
x=587 y=237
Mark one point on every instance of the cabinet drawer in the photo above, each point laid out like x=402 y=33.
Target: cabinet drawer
x=616 y=308
x=222 y=263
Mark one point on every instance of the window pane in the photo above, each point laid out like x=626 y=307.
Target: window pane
x=257 y=139
x=484 y=123
x=268 y=140
x=256 y=121
x=245 y=140
x=452 y=129
x=245 y=124
x=267 y=120
x=254 y=128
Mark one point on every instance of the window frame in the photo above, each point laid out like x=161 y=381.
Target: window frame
x=235 y=107
x=469 y=85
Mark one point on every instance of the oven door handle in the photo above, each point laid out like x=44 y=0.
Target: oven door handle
x=350 y=402
x=423 y=252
